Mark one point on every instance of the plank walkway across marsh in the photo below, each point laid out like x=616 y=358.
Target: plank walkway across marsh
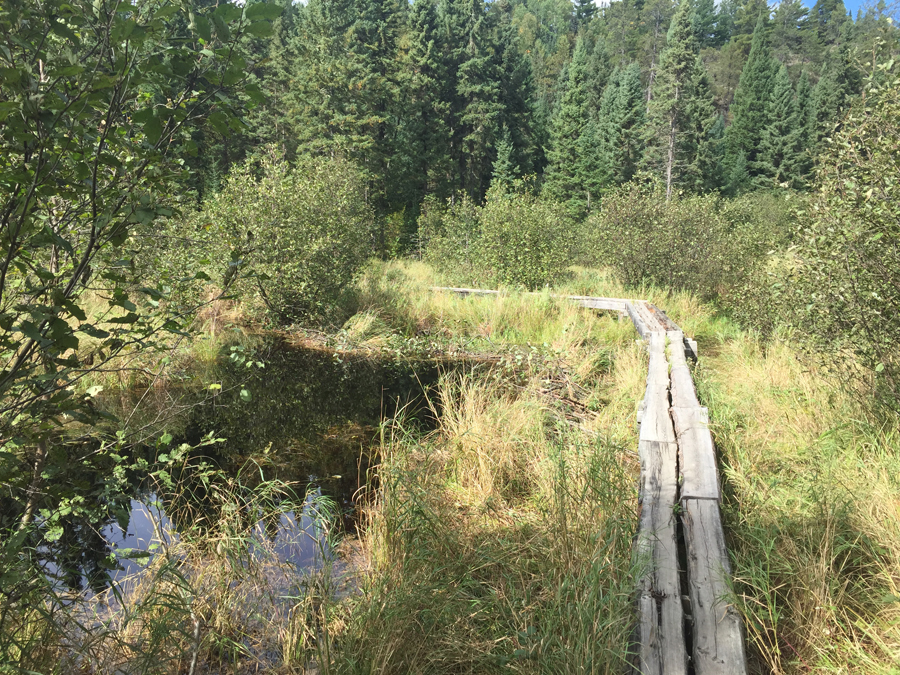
x=685 y=622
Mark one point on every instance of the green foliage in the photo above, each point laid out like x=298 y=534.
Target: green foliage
x=96 y=99
x=849 y=269
x=524 y=241
x=515 y=239
x=680 y=115
x=750 y=110
x=298 y=233
x=782 y=152
x=694 y=243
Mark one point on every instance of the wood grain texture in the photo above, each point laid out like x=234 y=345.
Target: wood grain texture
x=662 y=614
x=656 y=423
x=718 y=635
x=639 y=324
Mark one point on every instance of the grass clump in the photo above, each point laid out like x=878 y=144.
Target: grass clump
x=501 y=540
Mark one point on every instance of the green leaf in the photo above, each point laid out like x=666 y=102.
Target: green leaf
x=264 y=10
x=153 y=130
x=246 y=396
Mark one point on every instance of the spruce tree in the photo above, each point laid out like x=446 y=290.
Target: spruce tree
x=478 y=97
x=421 y=165
x=749 y=111
x=781 y=152
x=506 y=171
x=804 y=122
x=569 y=120
x=697 y=144
x=621 y=126
x=704 y=22
x=517 y=92
x=584 y=11
x=672 y=127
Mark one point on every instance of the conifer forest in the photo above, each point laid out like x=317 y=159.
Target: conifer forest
x=384 y=336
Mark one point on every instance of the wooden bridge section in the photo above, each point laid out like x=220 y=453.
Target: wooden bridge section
x=685 y=623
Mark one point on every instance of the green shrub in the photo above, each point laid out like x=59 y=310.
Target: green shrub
x=525 y=241
x=701 y=244
x=298 y=233
x=515 y=239
x=848 y=277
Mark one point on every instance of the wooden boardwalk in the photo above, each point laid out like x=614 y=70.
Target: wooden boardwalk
x=685 y=622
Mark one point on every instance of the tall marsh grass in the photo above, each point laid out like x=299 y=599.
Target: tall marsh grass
x=813 y=510
x=502 y=540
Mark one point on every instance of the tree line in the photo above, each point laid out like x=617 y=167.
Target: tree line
x=441 y=97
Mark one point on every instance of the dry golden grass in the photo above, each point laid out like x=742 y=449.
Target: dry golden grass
x=813 y=510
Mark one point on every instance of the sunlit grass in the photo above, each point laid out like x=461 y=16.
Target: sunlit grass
x=812 y=510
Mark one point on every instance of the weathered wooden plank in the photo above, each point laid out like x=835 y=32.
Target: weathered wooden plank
x=690 y=349
x=591 y=302
x=639 y=324
x=718 y=635
x=700 y=479
x=661 y=318
x=649 y=317
x=656 y=424
x=696 y=453
x=662 y=615
x=464 y=291
x=684 y=395
x=649 y=648
x=695 y=417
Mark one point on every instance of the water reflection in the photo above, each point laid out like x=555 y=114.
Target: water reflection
x=309 y=416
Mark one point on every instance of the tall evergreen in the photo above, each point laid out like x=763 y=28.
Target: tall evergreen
x=671 y=129
x=569 y=120
x=804 y=122
x=478 y=106
x=505 y=170
x=584 y=11
x=517 y=92
x=704 y=22
x=422 y=162
x=781 y=151
x=621 y=125
x=346 y=83
x=698 y=145
x=749 y=111
x=725 y=18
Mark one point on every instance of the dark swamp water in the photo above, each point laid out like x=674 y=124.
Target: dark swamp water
x=307 y=416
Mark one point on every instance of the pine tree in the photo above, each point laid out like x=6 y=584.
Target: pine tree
x=829 y=17
x=506 y=171
x=621 y=126
x=749 y=110
x=421 y=165
x=698 y=146
x=748 y=15
x=561 y=179
x=780 y=150
x=670 y=127
x=793 y=39
x=725 y=18
x=704 y=22
x=584 y=11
